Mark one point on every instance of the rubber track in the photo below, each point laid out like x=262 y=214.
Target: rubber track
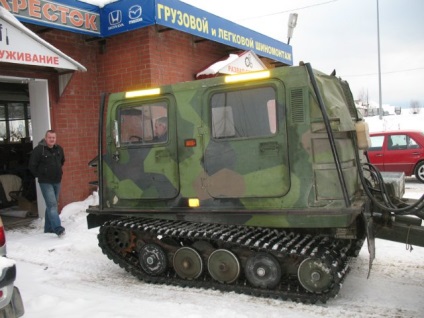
x=277 y=242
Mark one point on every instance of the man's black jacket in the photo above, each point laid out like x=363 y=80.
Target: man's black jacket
x=46 y=163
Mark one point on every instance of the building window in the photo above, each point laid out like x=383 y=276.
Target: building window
x=244 y=113
x=15 y=122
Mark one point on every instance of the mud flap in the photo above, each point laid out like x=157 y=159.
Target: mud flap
x=371 y=243
x=17 y=302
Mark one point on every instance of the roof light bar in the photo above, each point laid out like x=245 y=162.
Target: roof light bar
x=247 y=77
x=143 y=92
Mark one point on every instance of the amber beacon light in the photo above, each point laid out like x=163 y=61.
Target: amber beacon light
x=247 y=77
x=143 y=92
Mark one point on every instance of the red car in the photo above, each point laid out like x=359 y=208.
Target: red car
x=400 y=151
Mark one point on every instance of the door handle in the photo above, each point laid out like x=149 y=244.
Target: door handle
x=161 y=154
x=379 y=155
x=271 y=146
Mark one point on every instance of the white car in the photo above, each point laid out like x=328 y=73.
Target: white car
x=11 y=305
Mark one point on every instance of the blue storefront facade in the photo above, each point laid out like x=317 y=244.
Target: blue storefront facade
x=127 y=15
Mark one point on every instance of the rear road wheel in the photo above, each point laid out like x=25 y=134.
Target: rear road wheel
x=315 y=275
x=187 y=263
x=223 y=266
x=263 y=271
x=419 y=171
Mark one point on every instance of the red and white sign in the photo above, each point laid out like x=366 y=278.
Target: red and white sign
x=245 y=62
x=20 y=45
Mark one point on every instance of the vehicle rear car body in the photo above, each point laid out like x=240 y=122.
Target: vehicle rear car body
x=11 y=305
x=398 y=151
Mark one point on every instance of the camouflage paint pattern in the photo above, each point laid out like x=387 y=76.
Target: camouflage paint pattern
x=287 y=178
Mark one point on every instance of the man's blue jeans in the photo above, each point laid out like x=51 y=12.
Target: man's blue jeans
x=50 y=193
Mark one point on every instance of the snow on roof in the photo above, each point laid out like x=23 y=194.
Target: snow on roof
x=215 y=67
x=98 y=3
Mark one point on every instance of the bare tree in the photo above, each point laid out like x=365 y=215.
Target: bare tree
x=363 y=100
x=415 y=106
x=363 y=96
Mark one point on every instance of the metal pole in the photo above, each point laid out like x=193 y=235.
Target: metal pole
x=379 y=66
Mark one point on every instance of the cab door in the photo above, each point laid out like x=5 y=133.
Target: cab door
x=142 y=158
x=246 y=155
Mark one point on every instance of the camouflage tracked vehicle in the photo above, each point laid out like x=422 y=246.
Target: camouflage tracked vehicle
x=254 y=183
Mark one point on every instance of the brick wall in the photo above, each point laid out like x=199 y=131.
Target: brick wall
x=146 y=58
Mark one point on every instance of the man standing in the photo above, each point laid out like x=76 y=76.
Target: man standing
x=46 y=164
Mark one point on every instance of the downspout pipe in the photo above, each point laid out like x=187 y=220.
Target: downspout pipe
x=100 y=149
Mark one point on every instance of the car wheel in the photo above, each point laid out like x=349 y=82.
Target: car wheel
x=419 y=171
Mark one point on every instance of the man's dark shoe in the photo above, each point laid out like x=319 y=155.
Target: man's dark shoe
x=61 y=233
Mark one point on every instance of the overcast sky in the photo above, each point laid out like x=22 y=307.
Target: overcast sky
x=342 y=35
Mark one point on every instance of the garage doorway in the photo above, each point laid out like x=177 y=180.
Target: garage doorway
x=24 y=119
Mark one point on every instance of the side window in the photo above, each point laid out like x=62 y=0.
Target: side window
x=412 y=144
x=376 y=143
x=146 y=123
x=244 y=113
x=397 y=142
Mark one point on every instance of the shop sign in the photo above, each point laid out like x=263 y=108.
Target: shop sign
x=123 y=16
x=77 y=16
x=181 y=16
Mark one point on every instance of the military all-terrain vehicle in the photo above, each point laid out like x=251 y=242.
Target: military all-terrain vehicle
x=255 y=183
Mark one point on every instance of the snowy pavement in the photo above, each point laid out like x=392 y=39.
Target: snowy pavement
x=70 y=277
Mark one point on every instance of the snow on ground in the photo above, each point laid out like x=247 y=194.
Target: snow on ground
x=70 y=277
x=405 y=121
